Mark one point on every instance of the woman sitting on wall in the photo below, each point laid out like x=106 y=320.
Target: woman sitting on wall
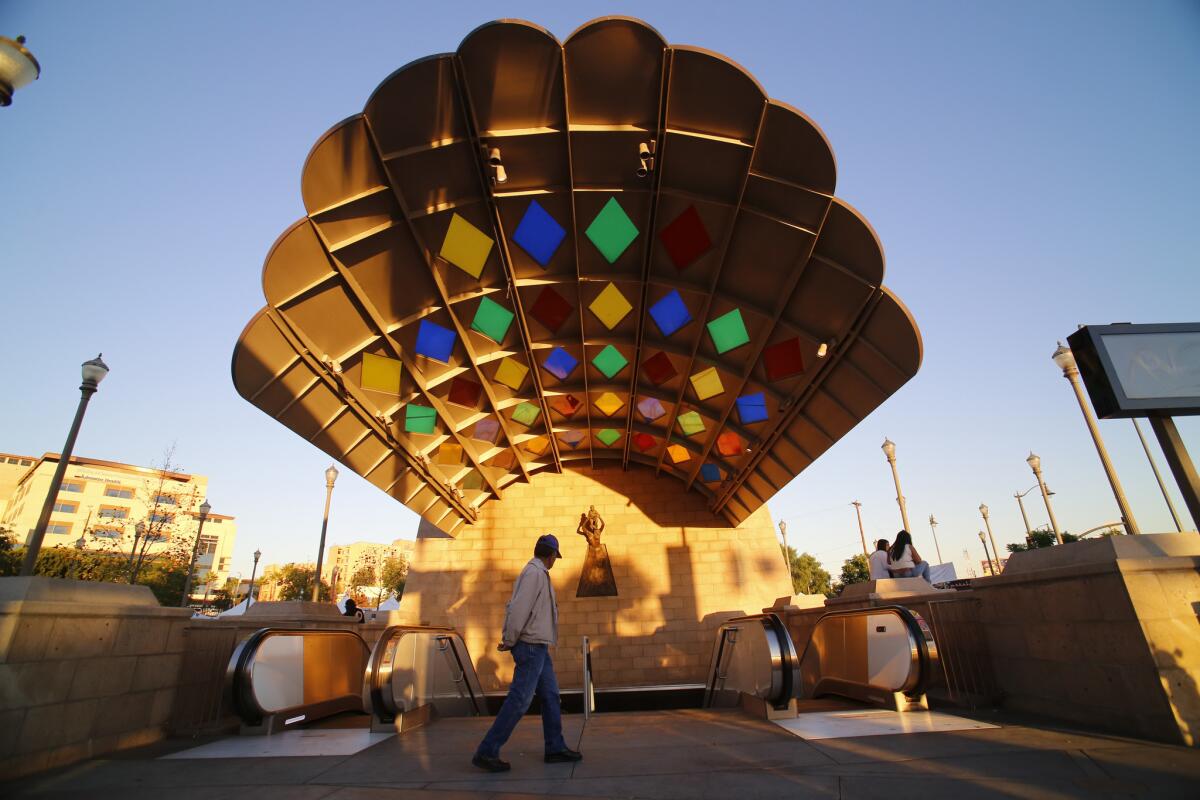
x=903 y=559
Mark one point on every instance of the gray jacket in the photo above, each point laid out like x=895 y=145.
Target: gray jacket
x=532 y=612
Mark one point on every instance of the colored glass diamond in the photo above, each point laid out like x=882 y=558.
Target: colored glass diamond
x=608 y=435
x=419 y=419
x=539 y=234
x=486 y=430
x=707 y=383
x=511 y=373
x=730 y=444
x=670 y=314
x=550 y=309
x=644 y=441
x=710 y=473
x=650 y=408
x=504 y=459
x=434 y=341
x=464 y=392
x=609 y=404
x=728 y=331
x=473 y=481
x=465 y=246
x=565 y=404
x=560 y=363
x=659 y=369
x=526 y=414
x=492 y=320
x=678 y=453
x=612 y=231
x=571 y=438
x=691 y=423
x=752 y=408
x=610 y=306
x=537 y=445
x=449 y=454
x=381 y=374
x=783 y=359
x=686 y=238
x=609 y=361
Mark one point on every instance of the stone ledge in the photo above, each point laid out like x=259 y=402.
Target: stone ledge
x=39 y=608
x=888 y=589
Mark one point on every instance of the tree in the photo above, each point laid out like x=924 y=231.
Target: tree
x=395 y=575
x=855 y=569
x=808 y=576
x=10 y=555
x=296 y=583
x=1041 y=537
x=362 y=578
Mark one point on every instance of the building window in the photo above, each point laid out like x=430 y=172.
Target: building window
x=107 y=533
x=208 y=544
x=113 y=512
x=118 y=491
x=14 y=461
x=224 y=564
x=164 y=500
x=163 y=519
x=25 y=462
x=157 y=536
x=71 y=486
x=65 y=507
x=60 y=528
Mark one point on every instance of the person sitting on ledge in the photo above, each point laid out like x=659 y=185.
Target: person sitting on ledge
x=904 y=561
x=530 y=630
x=352 y=610
x=879 y=561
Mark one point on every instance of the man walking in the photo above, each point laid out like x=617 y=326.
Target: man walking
x=530 y=629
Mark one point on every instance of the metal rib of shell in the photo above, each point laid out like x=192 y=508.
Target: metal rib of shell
x=527 y=256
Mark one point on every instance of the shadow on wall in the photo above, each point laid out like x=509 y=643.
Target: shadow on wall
x=1182 y=693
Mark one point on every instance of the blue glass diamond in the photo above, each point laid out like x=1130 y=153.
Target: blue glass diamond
x=539 y=234
x=434 y=341
x=752 y=408
x=670 y=314
x=710 y=473
x=560 y=363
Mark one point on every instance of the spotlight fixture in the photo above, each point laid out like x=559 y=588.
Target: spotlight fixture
x=501 y=176
x=494 y=156
x=496 y=162
x=646 y=158
x=822 y=350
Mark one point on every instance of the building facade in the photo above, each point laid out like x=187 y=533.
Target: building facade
x=114 y=507
x=343 y=561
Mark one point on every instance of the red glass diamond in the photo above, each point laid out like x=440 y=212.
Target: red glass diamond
x=464 y=392
x=565 y=404
x=730 y=444
x=783 y=359
x=644 y=441
x=658 y=368
x=550 y=309
x=685 y=238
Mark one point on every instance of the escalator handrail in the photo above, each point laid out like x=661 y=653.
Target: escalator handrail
x=788 y=661
x=907 y=616
x=381 y=701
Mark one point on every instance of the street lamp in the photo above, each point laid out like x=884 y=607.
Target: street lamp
x=889 y=450
x=787 y=554
x=187 y=584
x=933 y=523
x=93 y=372
x=1066 y=362
x=983 y=509
x=250 y=595
x=330 y=476
x=1035 y=464
x=861 y=533
x=983 y=541
x=18 y=67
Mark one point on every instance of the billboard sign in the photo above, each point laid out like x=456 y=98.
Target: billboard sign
x=1140 y=370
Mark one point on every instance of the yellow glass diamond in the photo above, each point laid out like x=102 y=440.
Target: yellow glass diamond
x=609 y=403
x=707 y=383
x=537 y=445
x=511 y=373
x=610 y=306
x=381 y=374
x=449 y=454
x=465 y=246
x=678 y=453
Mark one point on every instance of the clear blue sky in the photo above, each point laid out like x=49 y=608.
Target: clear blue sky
x=1029 y=166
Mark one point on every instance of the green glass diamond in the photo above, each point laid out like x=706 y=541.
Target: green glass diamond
x=526 y=413
x=612 y=231
x=609 y=361
x=419 y=419
x=691 y=423
x=728 y=331
x=492 y=320
x=608 y=436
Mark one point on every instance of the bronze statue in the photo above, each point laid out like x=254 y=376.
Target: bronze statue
x=596 y=578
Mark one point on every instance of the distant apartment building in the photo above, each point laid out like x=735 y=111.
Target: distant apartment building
x=343 y=560
x=101 y=504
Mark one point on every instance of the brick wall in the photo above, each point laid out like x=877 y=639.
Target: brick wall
x=680 y=571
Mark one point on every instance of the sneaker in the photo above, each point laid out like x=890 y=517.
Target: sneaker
x=491 y=764
x=564 y=756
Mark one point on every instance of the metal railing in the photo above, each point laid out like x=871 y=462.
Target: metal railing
x=752 y=655
x=416 y=671
x=963 y=652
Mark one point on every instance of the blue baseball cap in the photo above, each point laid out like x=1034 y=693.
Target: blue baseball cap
x=551 y=541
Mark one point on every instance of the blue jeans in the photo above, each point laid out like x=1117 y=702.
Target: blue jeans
x=921 y=570
x=534 y=674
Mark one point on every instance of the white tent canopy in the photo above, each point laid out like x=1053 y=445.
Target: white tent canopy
x=236 y=611
x=391 y=604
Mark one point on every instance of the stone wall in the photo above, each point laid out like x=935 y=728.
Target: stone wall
x=85 y=669
x=680 y=571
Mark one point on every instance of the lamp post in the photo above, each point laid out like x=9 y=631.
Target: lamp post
x=1157 y=475
x=1035 y=464
x=18 y=67
x=787 y=554
x=983 y=541
x=93 y=372
x=861 y=533
x=250 y=595
x=933 y=523
x=330 y=476
x=187 y=584
x=1066 y=362
x=889 y=450
x=983 y=509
